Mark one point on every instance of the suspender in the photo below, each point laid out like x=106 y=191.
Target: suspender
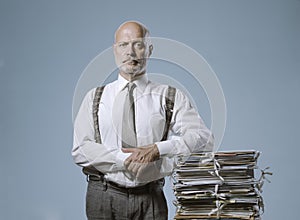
x=96 y=102
x=98 y=93
x=170 y=98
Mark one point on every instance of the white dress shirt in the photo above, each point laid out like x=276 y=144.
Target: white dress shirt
x=187 y=133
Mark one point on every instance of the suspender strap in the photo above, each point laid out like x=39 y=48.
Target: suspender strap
x=170 y=98
x=91 y=171
x=96 y=102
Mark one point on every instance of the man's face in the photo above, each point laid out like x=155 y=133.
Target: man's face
x=131 y=51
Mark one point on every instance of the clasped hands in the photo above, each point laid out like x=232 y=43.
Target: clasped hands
x=141 y=159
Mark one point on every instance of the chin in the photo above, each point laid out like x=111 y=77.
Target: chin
x=132 y=71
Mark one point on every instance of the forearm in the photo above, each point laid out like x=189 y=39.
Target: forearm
x=86 y=152
x=188 y=132
x=97 y=155
x=190 y=142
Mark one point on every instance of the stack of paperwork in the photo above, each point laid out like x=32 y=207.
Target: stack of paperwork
x=220 y=185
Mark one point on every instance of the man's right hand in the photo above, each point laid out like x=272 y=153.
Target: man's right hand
x=142 y=162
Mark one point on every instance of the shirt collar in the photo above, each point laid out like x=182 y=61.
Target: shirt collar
x=140 y=83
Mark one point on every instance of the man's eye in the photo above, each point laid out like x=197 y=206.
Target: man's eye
x=139 y=45
x=122 y=45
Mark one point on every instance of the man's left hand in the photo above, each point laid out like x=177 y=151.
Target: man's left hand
x=140 y=158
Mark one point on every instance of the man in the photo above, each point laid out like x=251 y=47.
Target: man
x=135 y=148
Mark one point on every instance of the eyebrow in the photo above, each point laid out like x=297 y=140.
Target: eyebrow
x=133 y=41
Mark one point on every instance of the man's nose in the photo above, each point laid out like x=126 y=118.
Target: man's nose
x=130 y=50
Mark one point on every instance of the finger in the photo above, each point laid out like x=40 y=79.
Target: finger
x=137 y=167
x=142 y=157
x=137 y=157
x=131 y=168
x=128 y=160
x=134 y=167
x=128 y=150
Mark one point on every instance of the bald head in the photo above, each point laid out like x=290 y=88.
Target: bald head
x=132 y=48
x=131 y=28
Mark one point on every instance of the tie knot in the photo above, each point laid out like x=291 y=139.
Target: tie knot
x=131 y=86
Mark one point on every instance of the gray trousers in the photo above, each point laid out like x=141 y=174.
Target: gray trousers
x=104 y=201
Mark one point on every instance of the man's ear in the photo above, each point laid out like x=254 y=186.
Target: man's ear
x=114 y=48
x=150 y=50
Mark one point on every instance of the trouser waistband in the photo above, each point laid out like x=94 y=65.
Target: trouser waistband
x=128 y=190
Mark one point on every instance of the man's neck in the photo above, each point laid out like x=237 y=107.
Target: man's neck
x=131 y=77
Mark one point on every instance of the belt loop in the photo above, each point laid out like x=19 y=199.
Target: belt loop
x=104 y=184
x=129 y=191
x=152 y=187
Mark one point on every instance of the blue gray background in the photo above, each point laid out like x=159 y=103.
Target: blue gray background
x=253 y=47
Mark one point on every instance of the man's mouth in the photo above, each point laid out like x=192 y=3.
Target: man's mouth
x=131 y=62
